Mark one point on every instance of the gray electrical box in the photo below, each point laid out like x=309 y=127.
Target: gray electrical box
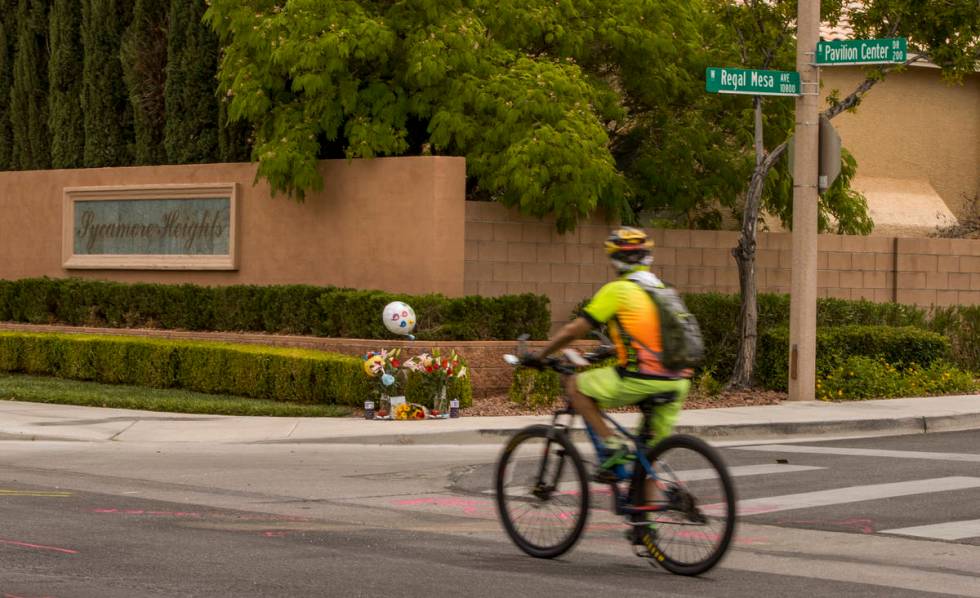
x=829 y=168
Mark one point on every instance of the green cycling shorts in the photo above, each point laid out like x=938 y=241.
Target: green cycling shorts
x=609 y=390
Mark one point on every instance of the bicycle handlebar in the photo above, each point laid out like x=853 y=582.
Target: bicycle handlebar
x=562 y=366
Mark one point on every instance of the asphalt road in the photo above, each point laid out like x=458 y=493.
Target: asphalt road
x=855 y=517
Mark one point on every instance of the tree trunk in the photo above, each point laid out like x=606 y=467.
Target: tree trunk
x=744 y=253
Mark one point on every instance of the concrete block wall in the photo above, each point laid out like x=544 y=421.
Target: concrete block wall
x=506 y=252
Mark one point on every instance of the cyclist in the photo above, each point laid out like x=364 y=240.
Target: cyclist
x=634 y=328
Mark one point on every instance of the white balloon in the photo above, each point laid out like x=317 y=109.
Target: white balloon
x=399 y=318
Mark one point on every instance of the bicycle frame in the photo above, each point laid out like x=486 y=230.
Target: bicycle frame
x=621 y=499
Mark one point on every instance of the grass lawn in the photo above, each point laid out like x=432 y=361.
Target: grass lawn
x=39 y=389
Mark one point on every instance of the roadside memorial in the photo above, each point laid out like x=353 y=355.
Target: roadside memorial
x=433 y=371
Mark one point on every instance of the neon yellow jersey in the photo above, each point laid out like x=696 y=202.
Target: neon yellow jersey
x=634 y=326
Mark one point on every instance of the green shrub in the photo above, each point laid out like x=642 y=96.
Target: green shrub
x=244 y=370
x=861 y=377
x=533 y=388
x=282 y=309
x=961 y=325
x=421 y=390
x=707 y=386
x=902 y=347
x=842 y=312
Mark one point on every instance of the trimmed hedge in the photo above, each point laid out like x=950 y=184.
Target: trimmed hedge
x=718 y=314
x=296 y=375
x=283 y=309
x=902 y=347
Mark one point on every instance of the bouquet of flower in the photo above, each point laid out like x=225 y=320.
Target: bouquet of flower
x=386 y=368
x=437 y=370
x=409 y=411
x=437 y=367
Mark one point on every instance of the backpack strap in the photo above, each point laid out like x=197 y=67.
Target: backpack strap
x=647 y=280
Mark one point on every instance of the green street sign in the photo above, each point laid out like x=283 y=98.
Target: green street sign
x=752 y=82
x=862 y=51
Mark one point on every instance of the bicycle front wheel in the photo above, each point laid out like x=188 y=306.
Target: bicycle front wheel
x=693 y=498
x=542 y=491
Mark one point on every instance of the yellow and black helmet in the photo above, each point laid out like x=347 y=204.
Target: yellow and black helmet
x=626 y=240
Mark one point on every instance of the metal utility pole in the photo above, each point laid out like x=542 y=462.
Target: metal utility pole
x=803 y=292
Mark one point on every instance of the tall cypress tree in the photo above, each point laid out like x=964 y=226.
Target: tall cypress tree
x=233 y=137
x=65 y=83
x=8 y=28
x=108 y=115
x=29 y=91
x=191 y=102
x=144 y=61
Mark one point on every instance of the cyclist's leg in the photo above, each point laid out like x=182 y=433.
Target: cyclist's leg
x=586 y=407
x=666 y=416
x=664 y=419
x=604 y=386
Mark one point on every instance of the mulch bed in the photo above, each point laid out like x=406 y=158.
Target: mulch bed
x=501 y=405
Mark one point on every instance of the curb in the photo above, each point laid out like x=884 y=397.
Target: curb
x=36 y=437
x=754 y=431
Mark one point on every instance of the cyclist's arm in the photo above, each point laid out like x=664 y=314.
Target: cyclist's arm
x=575 y=329
x=602 y=307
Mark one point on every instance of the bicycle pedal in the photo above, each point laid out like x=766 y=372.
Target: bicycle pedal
x=605 y=476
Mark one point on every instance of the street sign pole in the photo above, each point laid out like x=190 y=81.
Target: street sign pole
x=803 y=290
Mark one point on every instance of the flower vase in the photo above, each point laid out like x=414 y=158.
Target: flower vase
x=440 y=404
x=384 y=408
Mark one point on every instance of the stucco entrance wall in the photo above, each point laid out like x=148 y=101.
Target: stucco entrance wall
x=510 y=253
x=394 y=224
x=914 y=125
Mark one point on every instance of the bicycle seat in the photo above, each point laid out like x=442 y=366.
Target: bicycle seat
x=659 y=398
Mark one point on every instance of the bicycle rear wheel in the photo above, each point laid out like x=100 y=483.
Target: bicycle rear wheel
x=542 y=491
x=694 y=531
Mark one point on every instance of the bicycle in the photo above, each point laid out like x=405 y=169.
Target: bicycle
x=531 y=489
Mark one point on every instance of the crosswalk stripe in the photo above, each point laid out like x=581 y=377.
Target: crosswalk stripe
x=859 y=452
x=837 y=496
x=950 y=530
x=690 y=475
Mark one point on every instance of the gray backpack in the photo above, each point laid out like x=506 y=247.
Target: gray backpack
x=683 y=346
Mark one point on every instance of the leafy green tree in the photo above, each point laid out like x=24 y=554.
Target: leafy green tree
x=8 y=13
x=144 y=63
x=64 y=95
x=29 y=91
x=191 y=131
x=538 y=95
x=108 y=116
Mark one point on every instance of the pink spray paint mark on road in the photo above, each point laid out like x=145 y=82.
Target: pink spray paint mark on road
x=274 y=534
x=38 y=546
x=865 y=526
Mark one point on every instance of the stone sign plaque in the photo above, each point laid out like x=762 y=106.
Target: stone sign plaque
x=185 y=227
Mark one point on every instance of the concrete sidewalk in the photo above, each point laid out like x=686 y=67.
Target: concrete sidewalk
x=35 y=421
